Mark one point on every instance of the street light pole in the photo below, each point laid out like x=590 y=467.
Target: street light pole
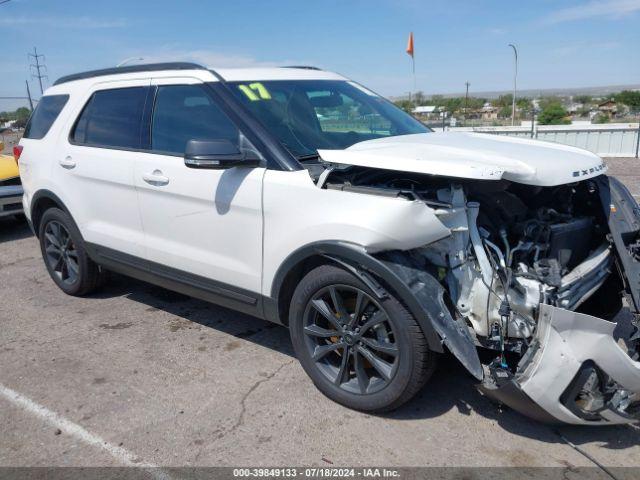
x=466 y=98
x=515 y=83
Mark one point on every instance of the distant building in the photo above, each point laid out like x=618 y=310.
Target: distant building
x=426 y=111
x=608 y=108
x=489 y=112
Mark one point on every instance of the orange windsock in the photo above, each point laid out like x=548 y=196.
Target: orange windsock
x=410 y=45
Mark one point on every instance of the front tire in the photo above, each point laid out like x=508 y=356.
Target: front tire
x=65 y=255
x=364 y=352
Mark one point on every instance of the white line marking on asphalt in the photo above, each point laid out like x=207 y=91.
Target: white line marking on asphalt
x=122 y=455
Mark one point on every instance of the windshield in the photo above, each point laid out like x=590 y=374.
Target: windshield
x=307 y=115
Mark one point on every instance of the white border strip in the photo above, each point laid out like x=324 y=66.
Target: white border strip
x=122 y=455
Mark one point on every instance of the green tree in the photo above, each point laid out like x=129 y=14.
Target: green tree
x=629 y=98
x=503 y=101
x=601 y=118
x=22 y=113
x=549 y=101
x=553 y=114
x=405 y=105
x=475 y=103
x=524 y=104
x=583 y=99
x=453 y=105
x=505 y=111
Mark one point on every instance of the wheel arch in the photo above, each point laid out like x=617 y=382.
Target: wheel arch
x=41 y=201
x=351 y=257
x=396 y=272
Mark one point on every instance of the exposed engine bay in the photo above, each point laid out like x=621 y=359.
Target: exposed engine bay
x=526 y=266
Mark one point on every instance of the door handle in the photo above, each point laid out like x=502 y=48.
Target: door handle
x=156 y=178
x=67 y=162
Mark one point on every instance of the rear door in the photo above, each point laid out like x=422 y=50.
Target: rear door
x=202 y=227
x=95 y=165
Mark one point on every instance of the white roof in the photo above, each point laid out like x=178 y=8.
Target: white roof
x=230 y=74
x=425 y=109
x=255 y=74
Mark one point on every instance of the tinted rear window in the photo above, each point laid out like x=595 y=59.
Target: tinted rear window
x=44 y=115
x=112 y=118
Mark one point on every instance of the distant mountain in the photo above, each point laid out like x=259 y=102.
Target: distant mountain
x=602 y=91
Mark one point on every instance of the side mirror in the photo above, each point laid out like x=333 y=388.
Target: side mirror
x=216 y=155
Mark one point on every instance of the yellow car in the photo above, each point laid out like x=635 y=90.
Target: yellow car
x=10 y=186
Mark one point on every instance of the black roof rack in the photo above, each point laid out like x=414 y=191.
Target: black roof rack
x=149 y=67
x=304 y=67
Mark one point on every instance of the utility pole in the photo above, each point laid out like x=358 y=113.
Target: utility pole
x=466 y=97
x=29 y=95
x=38 y=67
x=515 y=82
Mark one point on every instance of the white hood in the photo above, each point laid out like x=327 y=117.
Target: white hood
x=474 y=155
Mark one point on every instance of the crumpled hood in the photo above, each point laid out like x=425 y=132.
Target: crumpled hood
x=474 y=155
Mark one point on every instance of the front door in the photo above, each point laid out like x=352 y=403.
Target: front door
x=202 y=227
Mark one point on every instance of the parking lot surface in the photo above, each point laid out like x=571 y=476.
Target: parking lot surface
x=140 y=375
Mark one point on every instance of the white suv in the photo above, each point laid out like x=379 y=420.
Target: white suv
x=299 y=196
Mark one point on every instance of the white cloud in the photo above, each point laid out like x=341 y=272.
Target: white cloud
x=595 y=8
x=63 y=22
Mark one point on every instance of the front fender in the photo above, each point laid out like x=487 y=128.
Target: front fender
x=415 y=288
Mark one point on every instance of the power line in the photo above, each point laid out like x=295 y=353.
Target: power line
x=4 y=1
x=37 y=67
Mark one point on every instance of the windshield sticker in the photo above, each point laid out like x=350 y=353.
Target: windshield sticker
x=362 y=89
x=255 y=91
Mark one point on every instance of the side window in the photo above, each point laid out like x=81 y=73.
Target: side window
x=186 y=112
x=112 y=118
x=44 y=115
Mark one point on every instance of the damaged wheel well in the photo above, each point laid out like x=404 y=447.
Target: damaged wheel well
x=414 y=288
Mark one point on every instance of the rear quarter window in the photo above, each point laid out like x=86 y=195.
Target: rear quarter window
x=44 y=115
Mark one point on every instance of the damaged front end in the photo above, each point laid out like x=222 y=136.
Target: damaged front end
x=580 y=369
x=545 y=278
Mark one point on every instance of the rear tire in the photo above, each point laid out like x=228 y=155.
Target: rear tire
x=364 y=352
x=65 y=255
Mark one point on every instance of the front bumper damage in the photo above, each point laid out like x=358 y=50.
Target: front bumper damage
x=579 y=370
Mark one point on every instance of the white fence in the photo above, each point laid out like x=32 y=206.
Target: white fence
x=608 y=140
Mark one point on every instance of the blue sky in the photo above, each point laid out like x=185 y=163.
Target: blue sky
x=562 y=43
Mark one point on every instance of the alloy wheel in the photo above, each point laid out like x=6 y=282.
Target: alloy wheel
x=61 y=254
x=351 y=339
